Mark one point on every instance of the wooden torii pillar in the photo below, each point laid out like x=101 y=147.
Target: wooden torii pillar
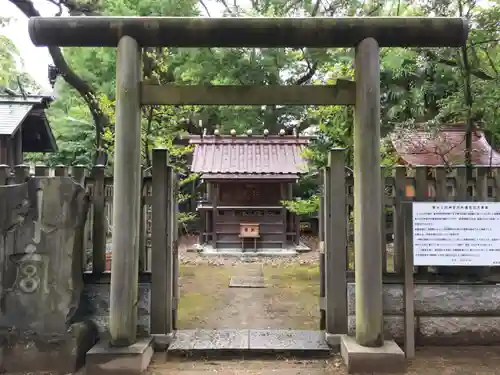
x=366 y=34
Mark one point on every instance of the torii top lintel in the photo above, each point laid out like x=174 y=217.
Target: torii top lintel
x=319 y=32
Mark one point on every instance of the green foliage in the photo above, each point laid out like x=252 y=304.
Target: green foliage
x=303 y=206
x=12 y=73
x=417 y=85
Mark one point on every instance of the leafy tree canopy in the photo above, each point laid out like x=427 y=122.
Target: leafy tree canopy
x=434 y=86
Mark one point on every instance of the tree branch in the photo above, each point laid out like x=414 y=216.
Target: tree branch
x=82 y=87
x=312 y=68
x=205 y=7
x=475 y=72
x=478 y=43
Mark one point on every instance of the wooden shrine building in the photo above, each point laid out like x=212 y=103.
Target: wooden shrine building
x=246 y=179
x=24 y=127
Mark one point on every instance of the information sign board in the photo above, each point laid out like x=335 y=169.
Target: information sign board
x=456 y=233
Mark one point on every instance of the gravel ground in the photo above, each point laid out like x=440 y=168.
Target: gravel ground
x=193 y=258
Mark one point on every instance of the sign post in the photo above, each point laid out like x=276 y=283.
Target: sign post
x=408 y=291
x=446 y=234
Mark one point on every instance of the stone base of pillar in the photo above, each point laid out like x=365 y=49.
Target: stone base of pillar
x=333 y=341
x=128 y=360
x=161 y=342
x=388 y=358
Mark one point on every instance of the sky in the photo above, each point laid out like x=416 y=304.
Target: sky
x=36 y=59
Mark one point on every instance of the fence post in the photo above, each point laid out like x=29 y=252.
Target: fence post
x=21 y=173
x=98 y=221
x=383 y=220
x=4 y=174
x=41 y=170
x=496 y=185
x=142 y=226
x=78 y=174
x=398 y=219
x=408 y=291
x=170 y=248
x=175 y=249
x=336 y=254
x=321 y=235
x=159 y=242
x=60 y=170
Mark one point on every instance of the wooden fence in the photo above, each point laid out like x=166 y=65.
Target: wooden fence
x=401 y=184
x=438 y=184
x=100 y=215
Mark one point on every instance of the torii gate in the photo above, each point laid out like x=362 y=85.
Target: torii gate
x=366 y=34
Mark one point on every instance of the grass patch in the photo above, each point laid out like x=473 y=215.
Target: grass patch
x=294 y=293
x=198 y=293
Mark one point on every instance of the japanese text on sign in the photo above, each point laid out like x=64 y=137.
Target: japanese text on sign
x=456 y=234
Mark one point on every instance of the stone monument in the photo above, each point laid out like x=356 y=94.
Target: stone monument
x=41 y=246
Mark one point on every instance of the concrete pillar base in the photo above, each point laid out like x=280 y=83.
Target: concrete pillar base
x=333 y=341
x=161 y=342
x=388 y=358
x=129 y=360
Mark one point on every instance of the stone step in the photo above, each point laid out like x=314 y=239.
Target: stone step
x=249 y=343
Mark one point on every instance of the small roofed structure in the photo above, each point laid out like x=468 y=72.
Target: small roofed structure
x=24 y=127
x=445 y=146
x=246 y=179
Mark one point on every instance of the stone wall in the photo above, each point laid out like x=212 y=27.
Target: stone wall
x=95 y=299
x=444 y=314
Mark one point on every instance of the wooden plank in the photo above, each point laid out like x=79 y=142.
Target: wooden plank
x=175 y=282
x=21 y=173
x=461 y=193
x=397 y=221
x=159 y=242
x=283 y=196
x=336 y=256
x=496 y=185
x=409 y=304
x=60 y=170
x=321 y=235
x=98 y=221
x=481 y=184
x=343 y=93
x=421 y=184
x=213 y=219
x=383 y=220
x=42 y=170
x=421 y=195
x=4 y=174
x=142 y=228
x=441 y=187
x=169 y=269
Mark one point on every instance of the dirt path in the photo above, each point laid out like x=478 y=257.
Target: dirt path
x=243 y=307
x=429 y=361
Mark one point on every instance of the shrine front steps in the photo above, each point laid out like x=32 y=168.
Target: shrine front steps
x=250 y=344
x=229 y=344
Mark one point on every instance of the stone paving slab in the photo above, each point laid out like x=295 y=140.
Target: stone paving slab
x=247 y=282
x=184 y=340
x=287 y=340
x=227 y=339
x=248 y=341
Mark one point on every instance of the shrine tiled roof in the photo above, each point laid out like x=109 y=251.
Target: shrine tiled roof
x=249 y=156
x=445 y=146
